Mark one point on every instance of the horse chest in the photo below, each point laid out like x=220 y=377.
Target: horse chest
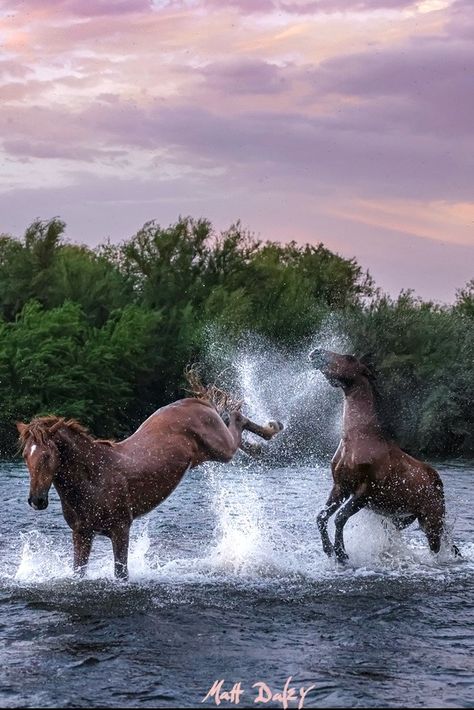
x=350 y=474
x=348 y=478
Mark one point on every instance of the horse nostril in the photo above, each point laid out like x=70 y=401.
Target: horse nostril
x=38 y=503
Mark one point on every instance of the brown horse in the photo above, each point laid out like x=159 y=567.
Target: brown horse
x=370 y=468
x=103 y=486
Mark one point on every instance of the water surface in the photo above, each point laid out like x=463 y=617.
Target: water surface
x=228 y=580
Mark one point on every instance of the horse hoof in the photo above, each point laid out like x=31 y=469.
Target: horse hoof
x=253 y=449
x=276 y=426
x=456 y=551
x=342 y=557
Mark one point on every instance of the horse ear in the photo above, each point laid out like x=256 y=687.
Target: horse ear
x=368 y=359
x=21 y=428
x=57 y=425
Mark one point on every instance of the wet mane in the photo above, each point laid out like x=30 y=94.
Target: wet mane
x=42 y=429
x=380 y=400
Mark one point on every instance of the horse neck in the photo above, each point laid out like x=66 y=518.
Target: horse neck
x=78 y=467
x=360 y=414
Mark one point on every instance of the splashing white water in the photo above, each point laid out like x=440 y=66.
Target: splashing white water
x=258 y=538
x=275 y=384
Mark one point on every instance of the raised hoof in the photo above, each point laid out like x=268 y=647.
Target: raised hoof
x=252 y=449
x=276 y=427
x=456 y=551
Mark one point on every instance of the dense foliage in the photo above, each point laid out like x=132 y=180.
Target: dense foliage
x=104 y=335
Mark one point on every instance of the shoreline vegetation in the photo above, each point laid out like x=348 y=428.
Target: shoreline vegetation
x=104 y=335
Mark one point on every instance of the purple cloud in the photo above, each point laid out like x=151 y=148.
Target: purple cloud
x=329 y=6
x=423 y=86
x=54 y=150
x=316 y=150
x=461 y=20
x=245 y=76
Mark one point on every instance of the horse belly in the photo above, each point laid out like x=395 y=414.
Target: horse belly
x=149 y=490
x=397 y=494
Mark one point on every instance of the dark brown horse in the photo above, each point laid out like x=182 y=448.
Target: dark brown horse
x=370 y=468
x=103 y=486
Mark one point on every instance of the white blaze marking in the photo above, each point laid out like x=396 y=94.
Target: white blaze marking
x=33 y=449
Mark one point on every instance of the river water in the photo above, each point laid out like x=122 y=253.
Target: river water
x=228 y=581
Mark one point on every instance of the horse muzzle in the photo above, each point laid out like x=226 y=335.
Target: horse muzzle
x=38 y=502
x=319 y=358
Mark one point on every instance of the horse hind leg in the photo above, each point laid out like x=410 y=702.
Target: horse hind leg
x=120 y=539
x=432 y=525
x=265 y=432
x=236 y=423
x=435 y=531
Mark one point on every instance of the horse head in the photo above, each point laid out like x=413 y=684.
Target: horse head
x=342 y=370
x=41 y=456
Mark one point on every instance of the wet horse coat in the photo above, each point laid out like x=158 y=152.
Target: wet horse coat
x=369 y=468
x=103 y=486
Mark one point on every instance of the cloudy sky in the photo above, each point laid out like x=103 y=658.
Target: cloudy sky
x=343 y=121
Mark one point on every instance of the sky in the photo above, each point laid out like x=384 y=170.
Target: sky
x=347 y=122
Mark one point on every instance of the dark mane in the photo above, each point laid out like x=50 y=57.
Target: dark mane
x=42 y=429
x=381 y=407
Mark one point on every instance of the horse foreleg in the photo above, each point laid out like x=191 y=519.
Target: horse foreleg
x=82 y=549
x=356 y=503
x=120 y=539
x=335 y=500
x=250 y=448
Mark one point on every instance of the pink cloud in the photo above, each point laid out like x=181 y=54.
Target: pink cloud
x=79 y=8
x=13 y=68
x=309 y=7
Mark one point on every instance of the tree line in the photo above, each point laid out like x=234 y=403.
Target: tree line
x=104 y=334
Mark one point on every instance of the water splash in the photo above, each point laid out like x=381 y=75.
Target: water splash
x=281 y=384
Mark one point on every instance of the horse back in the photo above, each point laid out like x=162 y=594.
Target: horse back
x=171 y=434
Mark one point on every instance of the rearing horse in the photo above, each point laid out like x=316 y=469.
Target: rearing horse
x=103 y=486
x=370 y=468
